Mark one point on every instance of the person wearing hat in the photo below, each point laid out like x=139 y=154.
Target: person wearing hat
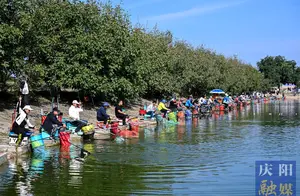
x=74 y=110
x=101 y=113
x=51 y=121
x=226 y=100
x=173 y=105
x=162 y=107
x=20 y=122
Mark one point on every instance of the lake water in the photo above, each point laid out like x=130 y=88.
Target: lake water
x=214 y=156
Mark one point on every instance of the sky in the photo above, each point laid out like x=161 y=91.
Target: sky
x=250 y=29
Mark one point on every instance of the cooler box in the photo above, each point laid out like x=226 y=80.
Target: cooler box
x=36 y=141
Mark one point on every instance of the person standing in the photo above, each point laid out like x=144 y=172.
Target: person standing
x=74 y=114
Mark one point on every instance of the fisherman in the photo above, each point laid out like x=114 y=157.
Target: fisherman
x=189 y=102
x=119 y=112
x=74 y=112
x=203 y=100
x=173 y=105
x=162 y=108
x=151 y=109
x=226 y=101
x=20 y=122
x=101 y=113
x=51 y=122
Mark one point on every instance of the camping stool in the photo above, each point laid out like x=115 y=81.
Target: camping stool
x=147 y=116
x=13 y=137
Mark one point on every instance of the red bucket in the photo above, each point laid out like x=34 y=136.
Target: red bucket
x=64 y=138
x=65 y=152
x=114 y=127
x=135 y=128
x=222 y=107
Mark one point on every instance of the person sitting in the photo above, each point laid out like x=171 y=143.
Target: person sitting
x=226 y=101
x=51 y=121
x=162 y=107
x=202 y=100
x=20 y=122
x=173 y=105
x=74 y=111
x=119 y=113
x=180 y=105
x=151 y=109
x=101 y=113
x=189 y=102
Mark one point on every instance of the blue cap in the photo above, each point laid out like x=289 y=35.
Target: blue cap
x=105 y=104
x=164 y=101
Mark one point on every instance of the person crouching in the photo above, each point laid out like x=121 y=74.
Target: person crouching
x=20 y=122
x=51 y=122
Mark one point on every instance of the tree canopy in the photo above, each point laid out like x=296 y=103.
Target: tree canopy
x=279 y=70
x=93 y=47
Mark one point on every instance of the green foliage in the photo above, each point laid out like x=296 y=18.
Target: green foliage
x=93 y=47
x=278 y=70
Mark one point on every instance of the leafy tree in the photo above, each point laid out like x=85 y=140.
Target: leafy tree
x=277 y=69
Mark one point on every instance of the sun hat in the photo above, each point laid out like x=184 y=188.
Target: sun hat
x=105 y=104
x=75 y=102
x=27 y=107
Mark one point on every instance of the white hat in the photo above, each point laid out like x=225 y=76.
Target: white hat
x=27 y=107
x=75 y=102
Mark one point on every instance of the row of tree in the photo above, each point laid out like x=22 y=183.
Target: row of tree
x=279 y=70
x=94 y=47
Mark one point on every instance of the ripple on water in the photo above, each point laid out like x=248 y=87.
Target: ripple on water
x=209 y=157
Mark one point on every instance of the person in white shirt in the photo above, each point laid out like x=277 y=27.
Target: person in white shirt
x=202 y=100
x=74 y=114
x=74 y=110
x=151 y=109
x=20 y=122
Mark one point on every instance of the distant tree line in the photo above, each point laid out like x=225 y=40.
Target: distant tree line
x=93 y=47
x=279 y=70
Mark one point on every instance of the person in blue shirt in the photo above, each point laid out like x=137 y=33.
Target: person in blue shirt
x=101 y=113
x=189 y=102
x=226 y=100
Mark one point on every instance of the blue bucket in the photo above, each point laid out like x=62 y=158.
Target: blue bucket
x=36 y=141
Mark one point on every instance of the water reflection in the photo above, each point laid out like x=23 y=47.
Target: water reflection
x=192 y=158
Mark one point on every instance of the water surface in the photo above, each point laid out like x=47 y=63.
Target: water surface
x=214 y=156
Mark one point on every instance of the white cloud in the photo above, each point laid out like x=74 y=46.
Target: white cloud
x=193 y=11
